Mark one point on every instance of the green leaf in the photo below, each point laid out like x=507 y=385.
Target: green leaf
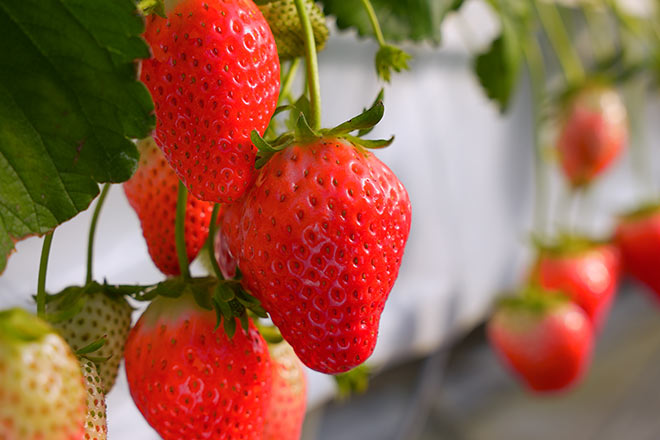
x=416 y=20
x=69 y=101
x=499 y=67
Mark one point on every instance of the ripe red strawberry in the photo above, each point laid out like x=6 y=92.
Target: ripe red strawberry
x=190 y=381
x=283 y=20
x=96 y=425
x=152 y=192
x=546 y=341
x=214 y=77
x=638 y=238
x=41 y=389
x=101 y=317
x=320 y=241
x=588 y=274
x=594 y=132
x=286 y=411
x=225 y=245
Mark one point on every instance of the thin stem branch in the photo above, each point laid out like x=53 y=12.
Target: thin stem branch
x=287 y=82
x=43 y=268
x=92 y=232
x=312 y=66
x=211 y=242
x=554 y=28
x=374 y=22
x=180 y=233
x=535 y=64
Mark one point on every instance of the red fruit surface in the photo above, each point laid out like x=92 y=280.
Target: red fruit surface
x=549 y=349
x=638 y=238
x=225 y=244
x=191 y=382
x=320 y=242
x=286 y=411
x=589 y=277
x=594 y=132
x=152 y=192
x=214 y=77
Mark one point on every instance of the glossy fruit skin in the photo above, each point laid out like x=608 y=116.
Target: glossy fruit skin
x=152 y=193
x=593 y=133
x=320 y=241
x=191 y=382
x=101 y=317
x=589 y=277
x=282 y=17
x=41 y=388
x=224 y=255
x=548 y=351
x=638 y=239
x=214 y=77
x=286 y=411
x=96 y=424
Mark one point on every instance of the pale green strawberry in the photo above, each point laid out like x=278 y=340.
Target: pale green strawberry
x=96 y=426
x=41 y=387
x=95 y=315
x=282 y=17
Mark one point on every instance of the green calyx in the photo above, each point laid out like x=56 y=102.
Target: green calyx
x=227 y=298
x=355 y=381
x=66 y=304
x=390 y=58
x=301 y=133
x=148 y=7
x=566 y=245
x=18 y=325
x=532 y=299
x=644 y=211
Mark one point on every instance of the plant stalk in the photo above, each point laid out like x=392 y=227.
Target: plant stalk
x=180 y=231
x=92 y=232
x=311 y=61
x=43 y=268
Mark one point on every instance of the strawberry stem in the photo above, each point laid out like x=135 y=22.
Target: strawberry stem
x=180 y=231
x=92 y=231
x=285 y=94
x=211 y=243
x=43 y=267
x=374 y=22
x=536 y=67
x=312 y=66
x=554 y=28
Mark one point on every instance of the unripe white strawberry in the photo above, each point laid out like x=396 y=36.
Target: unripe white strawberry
x=41 y=387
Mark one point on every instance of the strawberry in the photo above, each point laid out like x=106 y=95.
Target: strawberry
x=593 y=133
x=545 y=340
x=587 y=272
x=96 y=425
x=320 y=240
x=89 y=314
x=225 y=245
x=41 y=389
x=638 y=238
x=191 y=381
x=286 y=411
x=282 y=17
x=152 y=192
x=214 y=77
